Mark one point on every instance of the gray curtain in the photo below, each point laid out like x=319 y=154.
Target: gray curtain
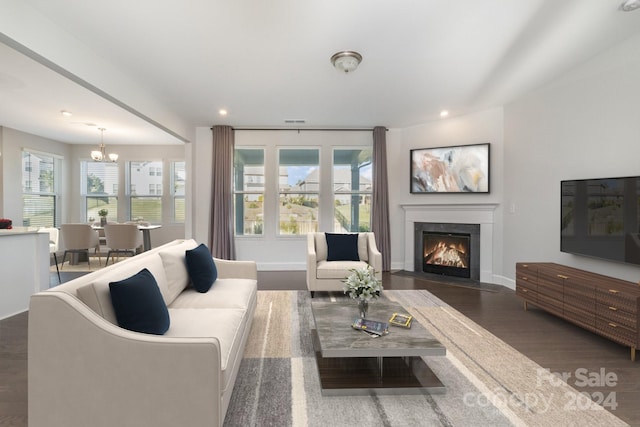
x=221 y=241
x=380 y=199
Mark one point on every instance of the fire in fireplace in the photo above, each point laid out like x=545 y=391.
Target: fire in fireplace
x=446 y=253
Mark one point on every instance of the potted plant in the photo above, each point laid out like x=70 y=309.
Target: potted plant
x=102 y=213
x=362 y=285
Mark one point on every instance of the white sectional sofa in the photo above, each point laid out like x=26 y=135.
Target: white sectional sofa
x=85 y=370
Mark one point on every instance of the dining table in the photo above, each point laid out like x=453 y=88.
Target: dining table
x=146 y=233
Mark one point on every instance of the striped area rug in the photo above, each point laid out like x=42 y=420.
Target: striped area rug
x=488 y=382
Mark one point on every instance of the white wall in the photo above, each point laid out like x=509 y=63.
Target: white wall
x=584 y=125
x=284 y=253
x=13 y=143
x=481 y=127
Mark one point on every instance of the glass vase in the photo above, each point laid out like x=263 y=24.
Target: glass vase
x=363 y=306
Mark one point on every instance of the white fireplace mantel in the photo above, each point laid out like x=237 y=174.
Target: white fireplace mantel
x=471 y=213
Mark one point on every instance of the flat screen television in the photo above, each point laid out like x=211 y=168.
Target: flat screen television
x=601 y=218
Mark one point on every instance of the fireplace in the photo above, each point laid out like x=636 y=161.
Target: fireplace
x=447 y=249
x=446 y=253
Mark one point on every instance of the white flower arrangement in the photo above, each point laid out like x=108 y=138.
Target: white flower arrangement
x=362 y=284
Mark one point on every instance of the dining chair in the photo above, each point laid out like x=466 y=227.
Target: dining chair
x=54 y=242
x=79 y=238
x=122 y=239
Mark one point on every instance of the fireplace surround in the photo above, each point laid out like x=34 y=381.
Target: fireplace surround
x=468 y=213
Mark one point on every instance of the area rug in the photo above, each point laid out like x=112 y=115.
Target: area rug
x=95 y=264
x=488 y=382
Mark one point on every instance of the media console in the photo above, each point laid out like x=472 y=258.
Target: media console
x=604 y=305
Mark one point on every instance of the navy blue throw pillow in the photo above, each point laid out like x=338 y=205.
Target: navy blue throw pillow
x=342 y=247
x=139 y=305
x=202 y=270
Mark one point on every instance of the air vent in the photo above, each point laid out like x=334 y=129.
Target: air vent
x=295 y=121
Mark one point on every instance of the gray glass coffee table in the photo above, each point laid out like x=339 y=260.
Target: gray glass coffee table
x=350 y=362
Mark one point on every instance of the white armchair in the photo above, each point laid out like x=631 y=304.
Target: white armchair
x=324 y=275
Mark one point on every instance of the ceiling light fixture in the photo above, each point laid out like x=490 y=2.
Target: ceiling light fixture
x=346 y=61
x=444 y=113
x=100 y=155
x=629 y=5
x=66 y=113
x=222 y=112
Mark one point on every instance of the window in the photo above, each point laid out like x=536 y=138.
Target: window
x=178 y=180
x=352 y=189
x=100 y=185
x=145 y=191
x=299 y=190
x=248 y=191
x=39 y=189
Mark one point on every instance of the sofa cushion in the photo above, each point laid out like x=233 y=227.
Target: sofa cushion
x=342 y=247
x=175 y=268
x=139 y=305
x=201 y=268
x=337 y=269
x=227 y=293
x=96 y=294
x=227 y=325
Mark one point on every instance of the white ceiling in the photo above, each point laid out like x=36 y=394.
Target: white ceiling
x=268 y=61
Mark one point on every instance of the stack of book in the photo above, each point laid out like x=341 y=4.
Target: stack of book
x=372 y=327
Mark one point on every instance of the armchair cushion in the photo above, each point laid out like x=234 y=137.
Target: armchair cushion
x=201 y=268
x=139 y=305
x=342 y=247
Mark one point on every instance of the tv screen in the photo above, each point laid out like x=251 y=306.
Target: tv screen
x=601 y=218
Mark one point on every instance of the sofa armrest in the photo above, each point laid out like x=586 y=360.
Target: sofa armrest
x=84 y=370
x=312 y=261
x=375 y=256
x=233 y=269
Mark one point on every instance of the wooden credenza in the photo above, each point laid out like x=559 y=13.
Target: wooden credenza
x=604 y=305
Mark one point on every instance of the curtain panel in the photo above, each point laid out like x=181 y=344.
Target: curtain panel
x=221 y=240
x=380 y=196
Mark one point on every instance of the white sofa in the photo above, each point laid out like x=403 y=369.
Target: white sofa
x=323 y=275
x=85 y=370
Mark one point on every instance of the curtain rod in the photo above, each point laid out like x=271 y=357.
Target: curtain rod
x=313 y=129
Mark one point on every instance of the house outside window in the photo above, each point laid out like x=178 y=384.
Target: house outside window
x=39 y=189
x=145 y=190
x=298 y=190
x=352 y=189
x=248 y=190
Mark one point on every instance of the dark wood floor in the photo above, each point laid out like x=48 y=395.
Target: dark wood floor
x=549 y=341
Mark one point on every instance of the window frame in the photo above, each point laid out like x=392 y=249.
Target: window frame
x=54 y=193
x=242 y=193
x=131 y=189
x=86 y=196
x=278 y=193
x=359 y=193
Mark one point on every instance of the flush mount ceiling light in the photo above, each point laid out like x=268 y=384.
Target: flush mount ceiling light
x=100 y=155
x=630 y=5
x=346 y=61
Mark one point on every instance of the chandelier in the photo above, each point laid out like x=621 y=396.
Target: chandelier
x=100 y=155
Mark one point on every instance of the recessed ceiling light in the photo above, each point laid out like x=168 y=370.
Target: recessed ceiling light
x=444 y=113
x=629 y=5
x=66 y=113
x=222 y=112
